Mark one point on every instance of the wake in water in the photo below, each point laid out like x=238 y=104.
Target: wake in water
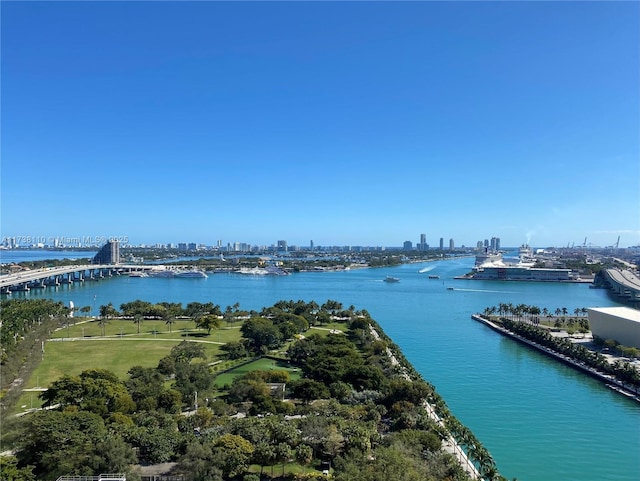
x=426 y=269
x=481 y=290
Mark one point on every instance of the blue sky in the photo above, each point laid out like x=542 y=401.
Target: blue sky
x=349 y=123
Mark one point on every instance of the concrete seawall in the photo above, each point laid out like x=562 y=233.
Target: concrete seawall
x=608 y=379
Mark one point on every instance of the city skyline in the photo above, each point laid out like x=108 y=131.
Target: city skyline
x=364 y=123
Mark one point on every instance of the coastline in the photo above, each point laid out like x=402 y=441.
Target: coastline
x=449 y=444
x=607 y=379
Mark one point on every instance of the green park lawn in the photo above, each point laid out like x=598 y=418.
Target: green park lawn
x=262 y=364
x=81 y=346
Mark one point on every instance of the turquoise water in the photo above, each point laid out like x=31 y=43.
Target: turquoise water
x=539 y=419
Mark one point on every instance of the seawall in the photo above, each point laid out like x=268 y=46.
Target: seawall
x=608 y=379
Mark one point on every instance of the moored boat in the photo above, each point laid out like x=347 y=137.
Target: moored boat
x=192 y=273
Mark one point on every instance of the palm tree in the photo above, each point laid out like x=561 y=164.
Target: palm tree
x=102 y=322
x=170 y=320
x=137 y=319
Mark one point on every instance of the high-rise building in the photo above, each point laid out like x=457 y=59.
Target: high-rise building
x=451 y=244
x=311 y=244
x=108 y=254
x=423 y=246
x=407 y=246
x=282 y=246
x=441 y=243
x=495 y=243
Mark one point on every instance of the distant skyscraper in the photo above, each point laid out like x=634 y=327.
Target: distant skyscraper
x=282 y=246
x=311 y=244
x=451 y=245
x=407 y=246
x=108 y=254
x=423 y=243
x=495 y=243
x=441 y=243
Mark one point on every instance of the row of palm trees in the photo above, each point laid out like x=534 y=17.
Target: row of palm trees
x=623 y=371
x=475 y=450
x=520 y=311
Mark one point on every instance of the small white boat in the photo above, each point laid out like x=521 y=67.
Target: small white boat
x=391 y=279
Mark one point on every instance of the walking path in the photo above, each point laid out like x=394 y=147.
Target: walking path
x=450 y=445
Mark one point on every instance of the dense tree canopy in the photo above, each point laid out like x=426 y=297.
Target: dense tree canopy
x=350 y=410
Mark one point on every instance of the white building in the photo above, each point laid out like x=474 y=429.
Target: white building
x=619 y=323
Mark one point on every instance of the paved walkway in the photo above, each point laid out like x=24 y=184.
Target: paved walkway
x=449 y=444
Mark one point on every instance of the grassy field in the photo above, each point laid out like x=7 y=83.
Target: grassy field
x=263 y=364
x=81 y=346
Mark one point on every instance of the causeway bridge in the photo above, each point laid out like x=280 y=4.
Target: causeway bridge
x=624 y=283
x=55 y=276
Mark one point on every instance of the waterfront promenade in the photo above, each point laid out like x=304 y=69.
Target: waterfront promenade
x=450 y=445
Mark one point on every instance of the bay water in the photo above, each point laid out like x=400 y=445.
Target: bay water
x=540 y=419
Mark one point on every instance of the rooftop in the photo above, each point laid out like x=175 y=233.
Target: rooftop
x=624 y=312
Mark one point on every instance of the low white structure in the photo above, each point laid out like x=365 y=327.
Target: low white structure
x=619 y=323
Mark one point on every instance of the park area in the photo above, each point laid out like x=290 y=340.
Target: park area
x=121 y=344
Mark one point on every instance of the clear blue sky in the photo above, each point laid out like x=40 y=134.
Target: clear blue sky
x=364 y=123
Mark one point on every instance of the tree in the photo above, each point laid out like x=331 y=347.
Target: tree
x=9 y=470
x=284 y=453
x=188 y=351
x=170 y=321
x=264 y=455
x=96 y=390
x=308 y=390
x=102 y=322
x=208 y=322
x=261 y=334
x=108 y=311
x=112 y=455
x=58 y=443
x=304 y=455
x=234 y=350
x=137 y=319
x=237 y=452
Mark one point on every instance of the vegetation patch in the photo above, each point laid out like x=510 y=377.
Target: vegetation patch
x=336 y=403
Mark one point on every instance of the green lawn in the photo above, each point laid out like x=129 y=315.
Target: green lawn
x=126 y=327
x=263 y=364
x=82 y=346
